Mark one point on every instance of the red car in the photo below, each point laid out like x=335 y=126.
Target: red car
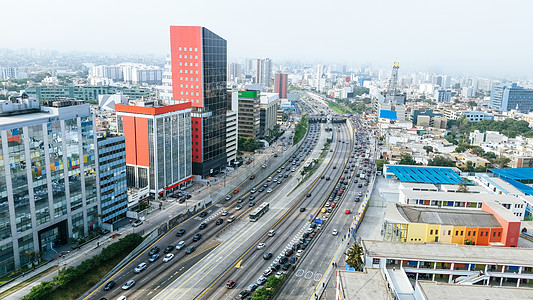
x=334 y=167
x=235 y=191
x=347 y=211
x=332 y=205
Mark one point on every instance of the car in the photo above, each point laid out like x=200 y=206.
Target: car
x=224 y=212
x=109 y=285
x=355 y=181
x=253 y=190
x=180 y=232
x=286 y=175
x=137 y=223
x=190 y=250
x=168 y=257
x=202 y=226
x=295 y=246
x=288 y=252
x=241 y=200
x=335 y=231
x=275 y=155
x=253 y=287
x=238 y=207
x=366 y=183
x=359 y=185
x=230 y=284
x=274 y=267
x=283 y=259
x=261 y=189
x=235 y=191
x=347 y=211
x=279 y=170
x=219 y=221
x=264 y=166
x=153 y=258
x=279 y=274
x=280 y=181
x=309 y=195
x=252 y=177
x=286 y=266
x=252 y=197
x=153 y=251
x=267 y=272
x=327 y=178
x=203 y=214
x=299 y=252
x=262 y=280
x=323 y=176
x=269 y=191
x=302 y=209
x=141 y=267
x=252 y=204
x=292 y=260
x=128 y=284
x=228 y=197
x=357 y=199
x=271 y=232
x=196 y=238
x=169 y=248
x=265 y=184
x=180 y=245
x=269 y=179
x=260 y=246
x=360 y=194
x=231 y=219
x=275 y=180
x=332 y=205
x=267 y=255
x=334 y=167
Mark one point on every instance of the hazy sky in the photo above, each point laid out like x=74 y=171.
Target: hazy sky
x=479 y=37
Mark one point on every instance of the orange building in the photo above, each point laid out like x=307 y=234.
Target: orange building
x=158 y=145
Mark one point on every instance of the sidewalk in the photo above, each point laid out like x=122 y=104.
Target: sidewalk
x=198 y=190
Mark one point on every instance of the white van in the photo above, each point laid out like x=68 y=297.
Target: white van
x=271 y=232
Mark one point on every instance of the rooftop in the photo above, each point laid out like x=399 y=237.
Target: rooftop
x=368 y=284
x=447 y=216
x=433 y=290
x=463 y=197
x=449 y=253
x=512 y=176
x=419 y=186
x=423 y=174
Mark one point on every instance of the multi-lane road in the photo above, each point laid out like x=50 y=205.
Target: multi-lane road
x=231 y=248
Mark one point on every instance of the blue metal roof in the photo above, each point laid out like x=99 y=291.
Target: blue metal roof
x=516 y=174
x=513 y=175
x=422 y=174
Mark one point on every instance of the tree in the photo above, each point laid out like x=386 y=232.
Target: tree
x=463 y=187
x=354 y=256
x=407 y=159
x=502 y=162
x=380 y=163
x=441 y=161
x=489 y=155
x=471 y=104
x=428 y=149
x=469 y=242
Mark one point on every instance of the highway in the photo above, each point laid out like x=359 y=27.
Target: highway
x=288 y=229
x=158 y=273
x=312 y=267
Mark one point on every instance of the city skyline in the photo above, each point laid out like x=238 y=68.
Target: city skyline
x=453 y=37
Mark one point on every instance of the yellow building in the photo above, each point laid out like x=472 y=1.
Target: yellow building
x=422 y=224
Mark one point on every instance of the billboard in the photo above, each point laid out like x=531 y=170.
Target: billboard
x=388 y=114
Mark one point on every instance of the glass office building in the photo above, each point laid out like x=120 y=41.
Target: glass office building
x=48 y=178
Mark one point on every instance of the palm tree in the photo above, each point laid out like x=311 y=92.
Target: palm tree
x=354 y=256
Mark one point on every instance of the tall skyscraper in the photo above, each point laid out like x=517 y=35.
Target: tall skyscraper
x=280 y=85
x=263 y=71
x=199 y=70
x=511 y=96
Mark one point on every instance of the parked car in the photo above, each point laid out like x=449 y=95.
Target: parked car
x=137 y=223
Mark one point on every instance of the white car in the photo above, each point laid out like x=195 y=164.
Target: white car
x=264 y=166
x=231 y=219
x=168 y=257
x=269 y=191
x=279 y=274
x=335 y=231
x=260 y=246
x=141 y=267
x=180 y=245
x=299 y=253
x=224 y=212
x=267 y=272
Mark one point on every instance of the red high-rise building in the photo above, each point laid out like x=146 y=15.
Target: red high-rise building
x=280 y=85
x=199 y=63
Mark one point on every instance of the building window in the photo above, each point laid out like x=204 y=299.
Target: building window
x=494 y=234
x=457 y=232
x=431 y=231
x=375 y=261
x=190 y=49
x=461 y=232
x=474 y=233
x=179 y=48
x=436 y=231
x=449 y=232
x=196 y=57
x=499 y=234
x=195 y=49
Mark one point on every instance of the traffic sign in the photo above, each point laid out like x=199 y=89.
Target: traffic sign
x=318 y=221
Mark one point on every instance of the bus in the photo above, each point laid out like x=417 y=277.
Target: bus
x=259 y=211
